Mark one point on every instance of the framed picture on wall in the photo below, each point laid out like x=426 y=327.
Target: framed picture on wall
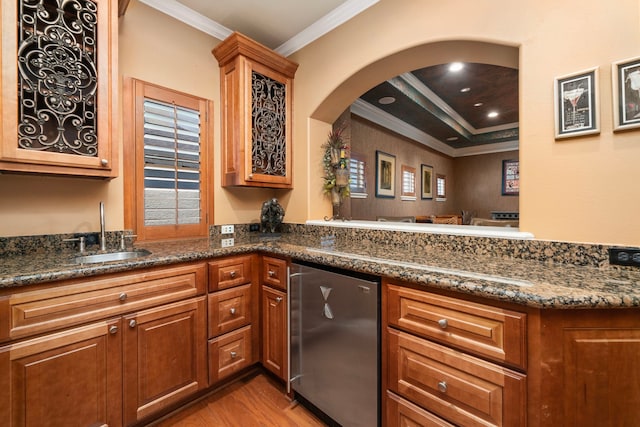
x=626 y=94
x=385 y=175
x=510 y=177
x=427 y=181
x=576 y=104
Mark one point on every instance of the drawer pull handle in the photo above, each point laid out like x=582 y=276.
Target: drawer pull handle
x=232 y=274
x=113 y=329
x=443 y=323
x=233 y=354
x=442 y=387
x=278 y=299
x=123 y=296
x=233 y=310
x=132 y=323
x=271 y=273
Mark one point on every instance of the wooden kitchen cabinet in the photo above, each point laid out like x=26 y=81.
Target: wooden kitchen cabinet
x=257 y=95
x=59 y=116
x=69 y=378
x=64 y=364
x=233 y=329
x=274 y=272
x=164 y=357
x=585 y=368
x=434 y=367
x=274 y=331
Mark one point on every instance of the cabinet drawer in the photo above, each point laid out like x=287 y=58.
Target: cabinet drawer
x=229 y=272
x=274 y=272
x=230 y=353
x=229 y=310
x=77 y=301
x=484 y=330
x=402 y=413
x=458 y=387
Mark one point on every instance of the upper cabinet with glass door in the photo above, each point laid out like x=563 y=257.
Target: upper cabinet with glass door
x=257 y=94
x=59 y=87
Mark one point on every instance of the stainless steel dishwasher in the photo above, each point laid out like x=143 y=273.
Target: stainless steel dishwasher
x=335 y=343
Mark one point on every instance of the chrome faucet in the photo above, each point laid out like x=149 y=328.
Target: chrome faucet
x=103 y=240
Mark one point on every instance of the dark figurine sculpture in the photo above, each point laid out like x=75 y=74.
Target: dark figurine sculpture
x=271 y=216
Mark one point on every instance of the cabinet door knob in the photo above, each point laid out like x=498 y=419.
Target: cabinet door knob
x=104 y=162
x=232 y=273
x=278 y=299
x=250 y=176
x=113 y=329
x=443 y=323
x=233 y=310
x=123 y=296
x=271 y=273
x=132 y=323
x=233 y=354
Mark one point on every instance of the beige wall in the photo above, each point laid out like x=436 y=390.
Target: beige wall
x=152 y=47
x=570 y=189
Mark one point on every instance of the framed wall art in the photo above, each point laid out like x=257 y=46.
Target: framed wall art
x=576 y=104
x=510 y=177
x=385 y=175
x=626 y=94
x=427 y=181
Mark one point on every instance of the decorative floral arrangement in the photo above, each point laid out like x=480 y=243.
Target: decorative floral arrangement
x=336 y=166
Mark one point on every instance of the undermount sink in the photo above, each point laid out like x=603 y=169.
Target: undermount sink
x=111 y=256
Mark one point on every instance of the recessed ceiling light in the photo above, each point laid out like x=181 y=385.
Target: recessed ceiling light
x=465 y=89
x=492 y=114
x=452 y=138
x=386 y=100
x=456 y=66
x=478 y=104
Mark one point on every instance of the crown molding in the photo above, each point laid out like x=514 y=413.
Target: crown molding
x=190 y=17
x=386 y=120
x=328 y=22
x=322 y=26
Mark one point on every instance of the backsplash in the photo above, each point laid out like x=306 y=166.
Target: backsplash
x=595 y=255
x=538 y=250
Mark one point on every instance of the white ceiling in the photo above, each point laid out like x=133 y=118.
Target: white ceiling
x=282 y=25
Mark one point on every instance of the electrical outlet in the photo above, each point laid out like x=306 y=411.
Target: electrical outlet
x=225 y=243
x=254 y=227
x=624 y=256
x=226 y=229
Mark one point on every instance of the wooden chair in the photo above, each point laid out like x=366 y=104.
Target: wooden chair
x=447 y=219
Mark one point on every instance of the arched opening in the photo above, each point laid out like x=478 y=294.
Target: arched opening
x=407 y=60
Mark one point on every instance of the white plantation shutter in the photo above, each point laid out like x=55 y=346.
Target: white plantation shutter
x=357 y=183
x=171 y=164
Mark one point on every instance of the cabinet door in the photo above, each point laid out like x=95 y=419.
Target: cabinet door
x=274 y=331
x=164 y=357
x=601 y=377
x=257 y=92
x=70 y=378
x=59 y=114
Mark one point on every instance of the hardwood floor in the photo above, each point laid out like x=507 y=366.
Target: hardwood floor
x=254 y=401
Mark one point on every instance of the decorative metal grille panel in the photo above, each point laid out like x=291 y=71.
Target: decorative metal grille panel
x=268 y=115
x=57 y=76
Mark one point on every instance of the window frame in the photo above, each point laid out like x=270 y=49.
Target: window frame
x=441 y=196
x=135 y=92
x=408 y=194
x=361 y=166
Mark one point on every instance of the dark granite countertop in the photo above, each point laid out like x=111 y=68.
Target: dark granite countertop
x=529 y=283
